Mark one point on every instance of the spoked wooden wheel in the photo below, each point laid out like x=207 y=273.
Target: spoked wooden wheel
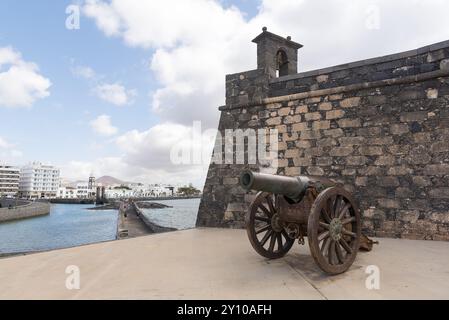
x=334 y=230
x=265 y=230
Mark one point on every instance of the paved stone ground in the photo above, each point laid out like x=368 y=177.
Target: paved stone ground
x=220 y=264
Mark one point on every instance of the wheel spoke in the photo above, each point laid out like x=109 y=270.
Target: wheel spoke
x=265 y=210
x=272 y=242
x=344 y=211
x=325 y=214
x=346 y=246
x=348 y=221
x=323 y=236
x=332 y=254
x=325 y=246
x=271 y=205
x=263 y=219
x=349 y=233
x=280 y=244
x=266 y=228
x=284 y=233
x=266 y=237
x=325 y=225
x=339 y=253
x=329 y=206
x=337 y=206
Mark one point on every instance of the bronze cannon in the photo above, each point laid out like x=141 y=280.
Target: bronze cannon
x=292 y=208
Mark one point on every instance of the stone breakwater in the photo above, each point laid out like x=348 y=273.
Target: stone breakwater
x=24 y=210
x=379 y=126
x=154 y=228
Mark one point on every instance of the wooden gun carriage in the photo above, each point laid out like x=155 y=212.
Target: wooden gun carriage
x=291 y=208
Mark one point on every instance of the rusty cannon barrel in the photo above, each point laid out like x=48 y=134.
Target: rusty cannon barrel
x=293 y=188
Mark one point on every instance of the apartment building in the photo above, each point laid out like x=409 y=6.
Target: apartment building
x=39 y=181
x=9 y=181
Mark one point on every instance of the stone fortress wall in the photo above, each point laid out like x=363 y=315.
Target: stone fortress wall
x=23 y=210
x=379 y=126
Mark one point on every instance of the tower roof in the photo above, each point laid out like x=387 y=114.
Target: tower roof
x=288 y=41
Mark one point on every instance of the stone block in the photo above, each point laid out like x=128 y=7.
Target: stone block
x=315 y=171
x=335 y=97
x=350 y=123
x=292 y=119
x=310 y=135
x=414 y=116
x=335 y=114
x=399 y=171
x=439 y=193
x=371 y=151
x=341 y=151
x=321 y=125
x=361 y=181
x=388 y=181
x=274 y=121
x=324 y=161
x=437 y=170
x=284 y=111
x=322 y=78
x=356 y=161
x=292 y=171
x=299 y=127
x=334 y=133
x=422 y=181
x=351 y=141
x=350 y=102
x=313 y=116
x=389 y=203
x=399 y=129
x=325 y=106
x=302 y=109
x=303 y=161
x=385 y=161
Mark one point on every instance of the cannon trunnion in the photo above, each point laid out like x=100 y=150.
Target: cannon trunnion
x=287 y=209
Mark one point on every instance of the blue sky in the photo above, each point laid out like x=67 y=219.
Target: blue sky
x=171 y=58
x=57 y=129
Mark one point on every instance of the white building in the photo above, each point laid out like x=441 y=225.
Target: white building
x=138 y=191
x=66 y=193
x=83 y=190
x=38 y=181
x=9 y=181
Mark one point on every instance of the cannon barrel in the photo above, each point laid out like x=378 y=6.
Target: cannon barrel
x=293 y=188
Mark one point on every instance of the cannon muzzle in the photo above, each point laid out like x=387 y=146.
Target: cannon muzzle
x=293 y=188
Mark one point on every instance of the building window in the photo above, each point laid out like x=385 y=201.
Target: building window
x=281 y=64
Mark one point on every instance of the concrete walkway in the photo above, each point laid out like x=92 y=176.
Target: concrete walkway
x=220 y=264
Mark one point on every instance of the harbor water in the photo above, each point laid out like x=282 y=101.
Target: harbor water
x=75 y=225
x=181 y=216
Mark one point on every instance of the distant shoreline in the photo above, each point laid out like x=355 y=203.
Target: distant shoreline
x=92 y=202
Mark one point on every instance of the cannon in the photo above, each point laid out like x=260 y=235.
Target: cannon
x=287 y=209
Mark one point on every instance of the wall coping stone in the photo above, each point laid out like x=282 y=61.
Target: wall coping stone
x=341 y=89
x=366 y=62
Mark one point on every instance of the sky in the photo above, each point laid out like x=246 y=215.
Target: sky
x=114 y=96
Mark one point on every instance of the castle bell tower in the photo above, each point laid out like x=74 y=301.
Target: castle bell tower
x=277 y=55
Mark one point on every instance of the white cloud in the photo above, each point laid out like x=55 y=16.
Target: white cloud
x=8 y=153
x=21 y=84
x=197 y=42
x=103 y=126
x=4 y=144
x=83 y=72
x=115 y=94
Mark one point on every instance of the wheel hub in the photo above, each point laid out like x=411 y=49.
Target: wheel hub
x=276 y=223
x=335 y=229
